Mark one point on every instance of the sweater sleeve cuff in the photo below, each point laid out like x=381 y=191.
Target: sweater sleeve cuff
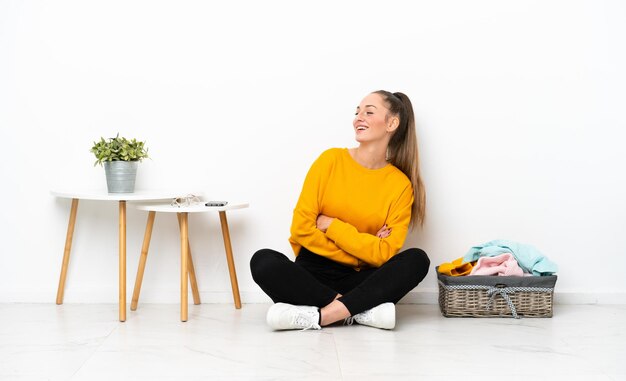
x=337 y=229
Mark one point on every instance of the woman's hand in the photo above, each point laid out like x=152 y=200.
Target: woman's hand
x=323 y=222
x=384 y=232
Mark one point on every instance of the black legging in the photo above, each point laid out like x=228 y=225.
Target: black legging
x=313 y=280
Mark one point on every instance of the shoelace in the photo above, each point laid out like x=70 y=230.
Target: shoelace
x=363 y=316
x=305 y=320
x=348 y=320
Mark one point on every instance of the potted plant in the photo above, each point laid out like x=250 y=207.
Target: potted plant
x=120 y=157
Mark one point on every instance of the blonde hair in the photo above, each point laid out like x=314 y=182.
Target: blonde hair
x=403 y=152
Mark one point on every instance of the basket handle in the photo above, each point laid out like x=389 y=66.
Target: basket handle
x=503 y=291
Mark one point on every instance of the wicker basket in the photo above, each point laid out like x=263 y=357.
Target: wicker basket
x=496 y=296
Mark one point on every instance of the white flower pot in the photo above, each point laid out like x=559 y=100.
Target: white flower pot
x=121 y=176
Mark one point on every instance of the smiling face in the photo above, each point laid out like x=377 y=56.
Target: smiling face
x=371 y=122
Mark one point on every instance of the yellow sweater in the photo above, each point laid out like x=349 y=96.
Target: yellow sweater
x=361 y=200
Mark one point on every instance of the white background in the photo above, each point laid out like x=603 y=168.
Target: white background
x=519 y=107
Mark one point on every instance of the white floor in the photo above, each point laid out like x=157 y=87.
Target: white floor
x=86 y=342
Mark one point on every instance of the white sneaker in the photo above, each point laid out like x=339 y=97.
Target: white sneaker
x=287 y=316
x=382 y=316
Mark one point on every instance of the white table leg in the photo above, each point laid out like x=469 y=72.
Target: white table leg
x=142 y=260
x=68 y=248
x=192 y=272
x=122 y=274
x=230 y=260
x=184 y=256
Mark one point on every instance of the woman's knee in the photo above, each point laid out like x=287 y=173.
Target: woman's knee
x=262 y=262
x=417 y=260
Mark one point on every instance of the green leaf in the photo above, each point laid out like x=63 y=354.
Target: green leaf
x=119 y=148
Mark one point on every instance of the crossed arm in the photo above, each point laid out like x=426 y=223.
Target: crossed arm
x=323 y=222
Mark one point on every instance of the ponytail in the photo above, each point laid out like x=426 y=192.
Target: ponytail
x=403 y=152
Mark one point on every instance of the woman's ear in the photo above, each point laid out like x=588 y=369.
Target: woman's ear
x=393 y=124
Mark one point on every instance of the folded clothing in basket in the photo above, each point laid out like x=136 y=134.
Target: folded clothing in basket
x=502 y=265
x=528 y=258
x=456 y=267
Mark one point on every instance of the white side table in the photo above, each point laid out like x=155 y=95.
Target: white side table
x=186 y=265
x=102 y=195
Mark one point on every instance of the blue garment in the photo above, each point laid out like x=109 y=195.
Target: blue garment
x=528 y=258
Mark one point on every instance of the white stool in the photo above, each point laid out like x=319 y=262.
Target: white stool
x=102 y=195
x=186 y=263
